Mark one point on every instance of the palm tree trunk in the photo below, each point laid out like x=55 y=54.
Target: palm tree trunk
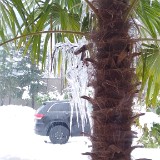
x=114 y=82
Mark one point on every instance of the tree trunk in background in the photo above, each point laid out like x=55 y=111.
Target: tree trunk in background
x=2 y=102
x=33 y=100
x=114 y=82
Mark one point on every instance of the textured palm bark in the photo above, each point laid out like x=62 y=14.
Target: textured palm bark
x=114 y=82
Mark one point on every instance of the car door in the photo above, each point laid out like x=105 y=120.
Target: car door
x=59 y=112
x=78 y=128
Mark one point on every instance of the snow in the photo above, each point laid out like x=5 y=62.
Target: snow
x=26 y=93
x=148 y=119
x=19 y=142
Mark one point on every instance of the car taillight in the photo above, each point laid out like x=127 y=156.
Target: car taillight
x=39 y=116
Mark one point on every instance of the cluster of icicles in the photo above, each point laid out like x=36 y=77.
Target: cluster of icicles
x=76 y=73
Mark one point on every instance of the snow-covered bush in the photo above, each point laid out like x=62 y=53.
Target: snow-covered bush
x=49 y=96
x=150 y=129
x=151 y=138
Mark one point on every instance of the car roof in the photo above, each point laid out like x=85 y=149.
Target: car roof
x=46 y=105
x=56 y=101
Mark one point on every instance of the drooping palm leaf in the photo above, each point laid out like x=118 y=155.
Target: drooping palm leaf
x=149 y=14
x=148 y=69
x=38 y=16
x=148 y=65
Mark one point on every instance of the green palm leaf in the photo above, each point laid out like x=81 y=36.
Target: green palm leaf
x=37 y=16
x=149 y=71
x=148 y=64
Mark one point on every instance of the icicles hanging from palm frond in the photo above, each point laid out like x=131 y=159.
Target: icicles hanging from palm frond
x=69 y=62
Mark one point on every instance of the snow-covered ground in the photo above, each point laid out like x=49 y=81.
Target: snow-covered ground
x=18 y=141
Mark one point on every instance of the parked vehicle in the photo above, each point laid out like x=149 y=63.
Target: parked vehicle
x=53 y=119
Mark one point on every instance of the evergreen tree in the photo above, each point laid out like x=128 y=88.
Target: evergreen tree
x=8 y=81
x=16 y=73
x=30 y=76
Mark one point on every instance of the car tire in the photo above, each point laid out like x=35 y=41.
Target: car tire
x=59 y=134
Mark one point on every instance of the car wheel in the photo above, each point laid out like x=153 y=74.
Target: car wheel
x=59 y=134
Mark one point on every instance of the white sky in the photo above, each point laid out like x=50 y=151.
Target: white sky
x=18 y=141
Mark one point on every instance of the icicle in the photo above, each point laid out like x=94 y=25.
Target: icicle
x=84 y=7
x=151 y=2
x=76 y=75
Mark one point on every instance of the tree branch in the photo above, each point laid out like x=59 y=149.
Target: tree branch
x=146 y=39
x=92 y=7
x=130 y=9
x=41 y=32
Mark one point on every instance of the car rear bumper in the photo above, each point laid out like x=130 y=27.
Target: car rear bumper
x=40 y=129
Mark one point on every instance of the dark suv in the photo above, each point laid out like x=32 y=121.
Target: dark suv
x=53 y=119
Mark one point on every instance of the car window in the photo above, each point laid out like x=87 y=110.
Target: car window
x=41 y=109
x=60 y=107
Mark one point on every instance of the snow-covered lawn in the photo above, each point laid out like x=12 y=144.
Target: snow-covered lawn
x=18 y=141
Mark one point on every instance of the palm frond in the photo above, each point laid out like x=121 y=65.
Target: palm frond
x=148 y=68
x=37 y=16
x=149 y=71
x=148 y=15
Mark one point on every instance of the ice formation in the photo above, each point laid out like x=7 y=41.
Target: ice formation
x=77 y=74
